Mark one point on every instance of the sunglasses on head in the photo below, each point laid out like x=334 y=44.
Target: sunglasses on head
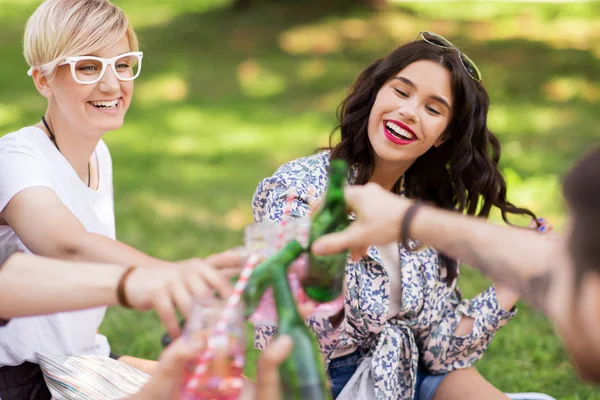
x=440 y=41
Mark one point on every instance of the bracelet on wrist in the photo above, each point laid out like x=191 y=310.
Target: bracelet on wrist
x=121 y=295
x=406 y=221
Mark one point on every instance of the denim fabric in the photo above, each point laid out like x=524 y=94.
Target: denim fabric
x=427 y=384
x=341 y=370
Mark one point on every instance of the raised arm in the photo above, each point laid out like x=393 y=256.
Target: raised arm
x=515 y=257
x=518 y=258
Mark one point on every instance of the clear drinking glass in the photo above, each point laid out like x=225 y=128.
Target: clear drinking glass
x=264 y=239
x=219 y=376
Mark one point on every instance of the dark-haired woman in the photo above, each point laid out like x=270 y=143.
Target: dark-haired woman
x=415 y=122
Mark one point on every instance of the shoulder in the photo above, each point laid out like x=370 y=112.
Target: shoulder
x=24 y=163
x=305 y=179
x=319 y=161
x=25 y=151
x=306 y=173
x=26 y=141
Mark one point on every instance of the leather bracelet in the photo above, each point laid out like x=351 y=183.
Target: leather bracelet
x=408 y=217
x=121 y=296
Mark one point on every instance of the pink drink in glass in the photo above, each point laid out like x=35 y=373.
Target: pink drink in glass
x=264 y=239
x=223 y=358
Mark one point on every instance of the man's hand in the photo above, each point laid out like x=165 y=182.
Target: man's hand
x=167 y=288
x=379 y=214
x=267 y=372
x=167 y=379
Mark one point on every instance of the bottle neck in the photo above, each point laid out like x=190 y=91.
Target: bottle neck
x=285 y=303
x=334 y=197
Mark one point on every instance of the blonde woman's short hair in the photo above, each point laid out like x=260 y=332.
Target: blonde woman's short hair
x=65 y=28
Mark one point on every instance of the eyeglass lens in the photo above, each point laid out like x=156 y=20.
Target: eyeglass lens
x=89 y=70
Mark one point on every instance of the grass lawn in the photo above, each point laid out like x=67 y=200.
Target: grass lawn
x=227 y=96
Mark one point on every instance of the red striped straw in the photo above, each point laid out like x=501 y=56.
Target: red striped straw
x=228 y=315
x=229 y=312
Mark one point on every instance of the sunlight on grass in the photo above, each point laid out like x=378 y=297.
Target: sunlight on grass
x=171 y=209
x=486 y=10
x=518 y=20
x=152 y=13
x=161 y=89
x=312 y=39
x=230 y=131
x=311 y=69
x=19 y=2
x=400 y=26
x=186 y=116
x=9 y=114
x=528 y=117
x=227 y=96
x=329 y=101
x=568 y=88
x=258 y=81
x=596 y=50
x=354 y=29
x=540 y=194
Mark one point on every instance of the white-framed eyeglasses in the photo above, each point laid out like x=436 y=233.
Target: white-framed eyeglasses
x=88 y=70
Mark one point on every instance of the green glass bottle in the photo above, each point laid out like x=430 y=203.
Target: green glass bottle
x=302 y=374
x=260 y=279
x=324 y=279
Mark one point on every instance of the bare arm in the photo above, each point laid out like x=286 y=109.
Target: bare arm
x=56 y=285
x=515 y=257
x=506 y=295
x=47 y=227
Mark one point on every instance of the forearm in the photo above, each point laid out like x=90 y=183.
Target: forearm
x=517 y=258
x=31 y=285
x=92 y=247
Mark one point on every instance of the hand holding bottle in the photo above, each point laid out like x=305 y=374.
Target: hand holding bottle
x=379 y=214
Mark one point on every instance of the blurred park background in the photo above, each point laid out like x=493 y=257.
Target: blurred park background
x=229 y=91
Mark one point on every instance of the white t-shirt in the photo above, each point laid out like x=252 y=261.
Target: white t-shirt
x=27 y=159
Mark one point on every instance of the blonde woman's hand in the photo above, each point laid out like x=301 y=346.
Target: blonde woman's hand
x=174 y=287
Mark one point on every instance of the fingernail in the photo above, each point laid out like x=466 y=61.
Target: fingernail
x=542 y=229
x=540 y=219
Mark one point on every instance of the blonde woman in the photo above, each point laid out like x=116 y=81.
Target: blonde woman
x=56 y=192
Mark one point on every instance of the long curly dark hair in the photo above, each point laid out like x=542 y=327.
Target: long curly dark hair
x=461 y=174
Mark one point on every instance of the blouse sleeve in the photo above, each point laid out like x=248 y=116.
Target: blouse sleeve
x=441 y=349
x=271 y=198
x=290 y=191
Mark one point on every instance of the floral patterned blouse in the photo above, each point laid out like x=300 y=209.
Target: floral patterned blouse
x=431 y=309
